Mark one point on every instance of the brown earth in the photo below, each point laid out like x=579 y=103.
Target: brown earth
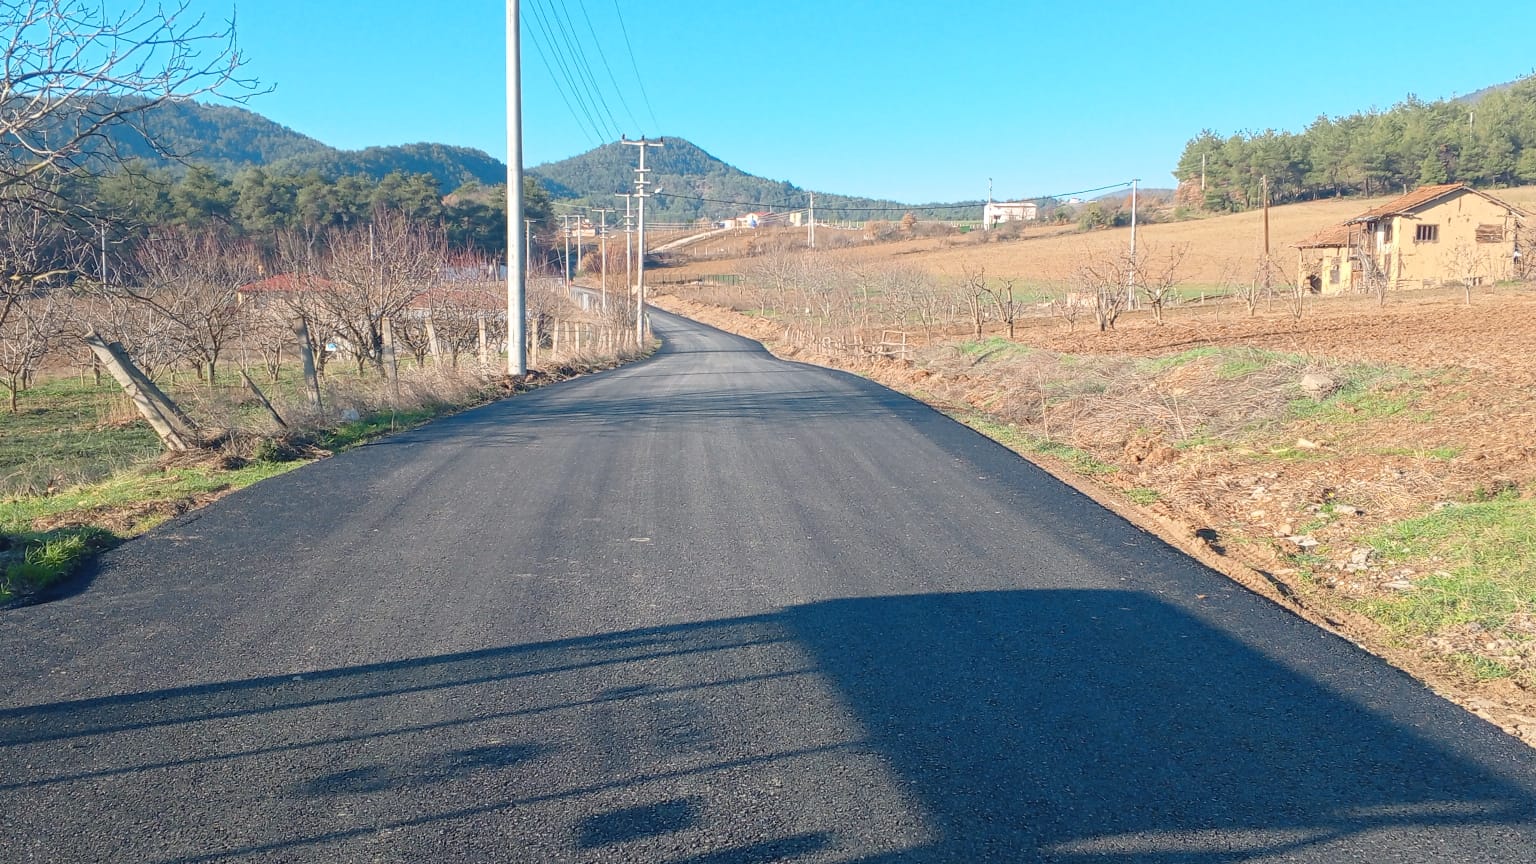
x=1462 y=382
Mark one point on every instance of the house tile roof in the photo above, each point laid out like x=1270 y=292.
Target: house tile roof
x=1405 y=204
x=1331 y=237
x=1340 y=235
x=283 y=283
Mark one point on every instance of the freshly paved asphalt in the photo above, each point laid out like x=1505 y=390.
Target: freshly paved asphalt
x=710 y=608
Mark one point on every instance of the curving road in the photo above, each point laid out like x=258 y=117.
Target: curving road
x=710 y=608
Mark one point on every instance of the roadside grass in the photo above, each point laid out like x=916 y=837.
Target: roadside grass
x=92 y=502
x=70 y=431
x=44 y=537
x=1481 y=558
x=1366 y=393
x=47 y=537
x=1081 y=461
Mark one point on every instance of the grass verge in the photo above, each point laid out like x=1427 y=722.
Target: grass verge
x=47 y=534
x=1081 y=461
x=1478 y=600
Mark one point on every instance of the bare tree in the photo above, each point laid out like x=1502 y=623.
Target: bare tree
x=1469 y=265
x=1373 y=278
x=1156 y=271
x=1250 y=291
x=33 y=327
x=192 y=279
x=1102 y=280
x=70 y=70
x=34 y=248
x=973 y=287
x=368 y=275
x=1008 y=306
x=1069 y=308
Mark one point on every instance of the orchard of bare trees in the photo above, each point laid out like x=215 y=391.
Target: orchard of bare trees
x=193 y=287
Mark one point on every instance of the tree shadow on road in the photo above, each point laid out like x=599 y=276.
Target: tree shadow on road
x=1072 y=726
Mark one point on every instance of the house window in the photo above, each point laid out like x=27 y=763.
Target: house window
x=1426 y=233
x=1490 y=233
x=1386 y=233
x=1333 y=274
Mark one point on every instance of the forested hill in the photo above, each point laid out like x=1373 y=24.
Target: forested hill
x=1486 y=142
x=227 y=139
x=697 y=185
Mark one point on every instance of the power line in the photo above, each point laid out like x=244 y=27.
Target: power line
x=560 y=59
x=795 y=205
x=636 y=66
x=603 y=55
x=561 y=90
x=562 y=18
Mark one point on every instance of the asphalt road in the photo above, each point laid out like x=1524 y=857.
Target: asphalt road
x=710 y=608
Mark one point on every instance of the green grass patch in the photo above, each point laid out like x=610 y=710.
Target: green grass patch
x=1144 y=496
x=137 y=498
x=1242 y=362
x=1367 y=393
x=1155 y=365
x=1081 y=461
x=994 y=347
x=1483 y=561
x=1443 y=454
x=65 y=433
x=365 y=429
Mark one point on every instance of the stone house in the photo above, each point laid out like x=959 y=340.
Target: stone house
x=1428 y=237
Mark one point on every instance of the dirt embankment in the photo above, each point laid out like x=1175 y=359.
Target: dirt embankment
x=1199 y=430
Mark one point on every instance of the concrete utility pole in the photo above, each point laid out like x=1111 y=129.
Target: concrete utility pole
x=811 y=239
x=1130 y=287
x=580 y=227
x=565 y=264
x=517 y=257
x=640 y=184
x=629 y=253
x=528 y=239
x=602 y=237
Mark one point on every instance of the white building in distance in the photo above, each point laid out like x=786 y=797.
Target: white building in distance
x=997 y=212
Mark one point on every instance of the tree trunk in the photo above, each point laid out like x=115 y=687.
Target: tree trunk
x=307 y=355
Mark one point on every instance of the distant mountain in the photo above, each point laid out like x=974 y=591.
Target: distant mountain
x=694 y=183
x=222 y=137
x=697 y=185
x=227 y=138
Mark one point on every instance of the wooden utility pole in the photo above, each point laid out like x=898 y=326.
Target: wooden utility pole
x=1130 y=282
x=1268 y=287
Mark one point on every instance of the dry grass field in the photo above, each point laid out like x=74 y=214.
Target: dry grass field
x=1219 y=247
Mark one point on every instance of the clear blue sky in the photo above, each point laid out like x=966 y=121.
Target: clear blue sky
x=918 y=101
